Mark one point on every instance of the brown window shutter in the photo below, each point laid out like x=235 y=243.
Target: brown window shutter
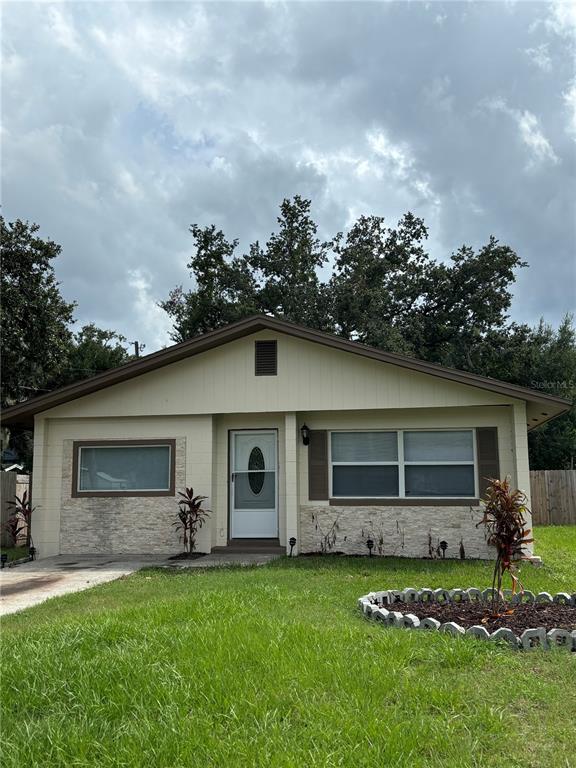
x=487 y=454
x=318 y=465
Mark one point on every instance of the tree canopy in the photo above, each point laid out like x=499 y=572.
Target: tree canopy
x=34 y=318
x=379 y=285
x=40 y=351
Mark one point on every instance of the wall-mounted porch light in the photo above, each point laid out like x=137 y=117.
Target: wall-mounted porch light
x=305 y=432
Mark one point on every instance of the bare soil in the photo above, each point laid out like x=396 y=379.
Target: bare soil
x=517 y=618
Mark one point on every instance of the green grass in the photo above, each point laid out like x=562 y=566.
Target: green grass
x=274 y=666
x=14 y=553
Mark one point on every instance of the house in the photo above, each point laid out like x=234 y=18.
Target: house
x=290 y=432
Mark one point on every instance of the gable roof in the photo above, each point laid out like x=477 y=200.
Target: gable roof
x=547 y=406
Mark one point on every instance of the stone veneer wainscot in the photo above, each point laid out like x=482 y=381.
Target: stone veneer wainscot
x=116 y=525
x=406 y=529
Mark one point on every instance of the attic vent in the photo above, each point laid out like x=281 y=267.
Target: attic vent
x=266 y=358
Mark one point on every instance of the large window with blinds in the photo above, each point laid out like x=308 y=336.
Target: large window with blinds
x=403 y=464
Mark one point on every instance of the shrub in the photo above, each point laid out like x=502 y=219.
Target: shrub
x=191 y=517
x=504 y=511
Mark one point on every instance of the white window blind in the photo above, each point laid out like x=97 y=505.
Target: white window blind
x=404 y=463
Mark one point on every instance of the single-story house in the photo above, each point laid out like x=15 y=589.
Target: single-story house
x=291 y=434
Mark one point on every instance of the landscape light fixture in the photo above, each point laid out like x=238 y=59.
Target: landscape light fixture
x=443 y=547
x=3 y=559
x=305 y=432
x=370 y=545
x=292 y=543
x=32 y=553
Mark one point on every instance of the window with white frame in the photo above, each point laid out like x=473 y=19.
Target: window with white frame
x=439 y=463
x=364 y=464
x=403 y=464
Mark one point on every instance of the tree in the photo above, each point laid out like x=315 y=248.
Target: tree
x=225 y=288
x=91 y=351
x=386 y=290
x=380 y=277
x=34 y=317
x=279 y=279
x=466 y=301
x=286 y=270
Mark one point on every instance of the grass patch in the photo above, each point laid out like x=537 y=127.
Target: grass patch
x=14 y=553
x=274 y=666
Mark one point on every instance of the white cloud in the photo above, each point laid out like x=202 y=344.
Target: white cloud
x=127 y=186
x=534 y=139
x=562 y=17
x=126 y=122
x=396 y=156
x=570 y=102
x=540 y=57
x=539 y=148
x=147 y=314
x=63 y=30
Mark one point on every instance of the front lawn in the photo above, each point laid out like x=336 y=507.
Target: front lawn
x=274 y=666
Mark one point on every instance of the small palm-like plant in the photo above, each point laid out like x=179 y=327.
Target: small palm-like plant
x=191 y=517
x=504 y=511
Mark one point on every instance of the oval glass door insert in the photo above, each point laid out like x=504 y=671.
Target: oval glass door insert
x=256 y=478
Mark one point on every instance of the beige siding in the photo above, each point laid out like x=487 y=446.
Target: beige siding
x=310 y=377
x=152 y=532
x=198 y=401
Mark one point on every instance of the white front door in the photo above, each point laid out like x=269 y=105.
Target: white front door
x=253 y=485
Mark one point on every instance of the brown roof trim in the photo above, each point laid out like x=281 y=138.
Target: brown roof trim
x=23 y=413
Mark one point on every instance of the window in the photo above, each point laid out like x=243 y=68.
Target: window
x=364 y=464
x=266 y=358
x=404 y=464
x=439 y=463
x=124 y=468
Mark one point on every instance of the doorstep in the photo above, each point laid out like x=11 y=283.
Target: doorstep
x=251 y=546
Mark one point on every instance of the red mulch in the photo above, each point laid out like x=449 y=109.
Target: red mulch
x=527 y=616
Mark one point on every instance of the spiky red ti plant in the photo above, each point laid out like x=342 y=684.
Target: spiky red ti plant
x=191 y=517
x=504 y=511
x=20 y=519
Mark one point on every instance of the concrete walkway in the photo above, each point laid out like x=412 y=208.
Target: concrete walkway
x=31 y=583
x=222 y=559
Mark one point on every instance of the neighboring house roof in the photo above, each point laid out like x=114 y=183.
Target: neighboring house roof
x=542 y=406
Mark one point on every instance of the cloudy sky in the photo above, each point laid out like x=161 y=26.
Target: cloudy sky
x=123 y=123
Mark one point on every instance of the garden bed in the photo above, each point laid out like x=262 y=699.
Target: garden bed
x=518 y=617
x=524 y=620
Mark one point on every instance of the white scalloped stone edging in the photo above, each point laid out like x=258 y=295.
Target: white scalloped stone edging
x=387 y=607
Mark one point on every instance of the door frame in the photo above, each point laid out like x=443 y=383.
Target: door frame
x=255 y=430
